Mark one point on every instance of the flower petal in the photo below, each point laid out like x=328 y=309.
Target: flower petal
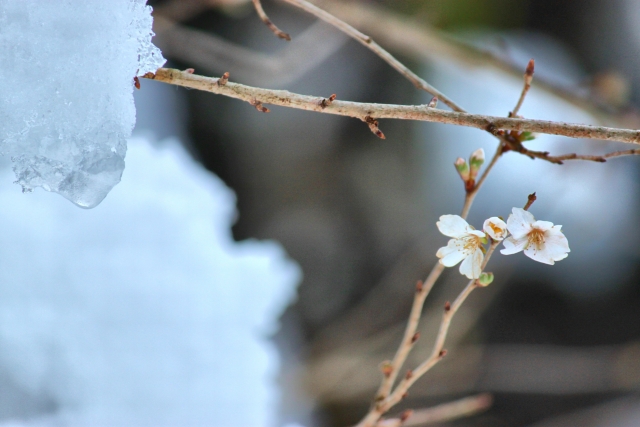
x=556 y=244
x=513 y=246
x=472 y=265
x=519 y=222
x=478 y=233
x=542 y=225
x=453 y=226
x=541 y=255
x=451 y=254
x=495 y=227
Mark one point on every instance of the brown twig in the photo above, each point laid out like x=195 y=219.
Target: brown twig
x=373 y=126
x=414 y=38
x=530 y=199
x=374 y=47
x=390 y=111
x=510 y=143
x=437 y=354
x=528 y=77
x=263 y=15
x=471 y=195
x=422 y=291
x=451 y=410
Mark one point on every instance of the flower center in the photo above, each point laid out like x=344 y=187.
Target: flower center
x=536 y=237
x=471 y=243
x=496 y=230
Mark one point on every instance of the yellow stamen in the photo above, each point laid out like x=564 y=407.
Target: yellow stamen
x=536 y=237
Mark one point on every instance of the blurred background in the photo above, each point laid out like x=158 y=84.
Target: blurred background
x=555 y=346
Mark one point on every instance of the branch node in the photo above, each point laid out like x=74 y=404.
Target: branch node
x=387 y=368
x=263 y=16
x=258 y=105
x=223 y=80
x=415 y=337
x=530 y=199
x=373 y=125
x=325 y=102
x=405 y=415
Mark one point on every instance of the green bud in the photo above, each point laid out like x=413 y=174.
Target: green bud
x=485 y=279
x=476 y=160
x=527 y=136
x=462 y=168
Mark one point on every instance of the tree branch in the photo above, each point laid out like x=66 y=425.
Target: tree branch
x=263 y=16
x=360 y=110
x=376 y=48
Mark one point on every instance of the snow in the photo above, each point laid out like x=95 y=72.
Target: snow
x=66 y=107
x=141 y=312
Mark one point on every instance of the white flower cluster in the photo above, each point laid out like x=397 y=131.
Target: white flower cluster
x=540 y=240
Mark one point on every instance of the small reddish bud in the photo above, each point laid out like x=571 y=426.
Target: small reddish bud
x=419 y=286
x=223 y=80
x=325 y=102
x=405 y=415
x=189 y=71
x=415 y=337
x=530 y=68
x=530 y=199
x=409 y=374
x=386 y=368
x=258 y=105
x=442 y=353
x=433 y=103
x=404 y=395
x=373 y=125
x=447 y=306
x=136 y=82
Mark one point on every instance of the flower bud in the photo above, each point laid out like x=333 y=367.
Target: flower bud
x=496 y=228
x=485 y=279
x=527 y=136
x=476 y=160
x=462 y=168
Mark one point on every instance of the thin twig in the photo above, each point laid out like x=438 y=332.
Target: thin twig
x=451 y=410
x=471 y=195
x=390 y=111
x=408 y=339
x=368 y=42
x=414 y=38
x=438 y=352
x=376 y=48
x=263 y=15
x=528 y=76
x=391 y=369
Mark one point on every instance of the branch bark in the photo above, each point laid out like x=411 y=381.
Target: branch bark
x=361 y=110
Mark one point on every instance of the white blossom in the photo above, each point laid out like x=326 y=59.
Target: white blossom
x=541 y=240
x=496 y=228
x=466 y=244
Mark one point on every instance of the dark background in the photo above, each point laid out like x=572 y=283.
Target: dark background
x=554 y=346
